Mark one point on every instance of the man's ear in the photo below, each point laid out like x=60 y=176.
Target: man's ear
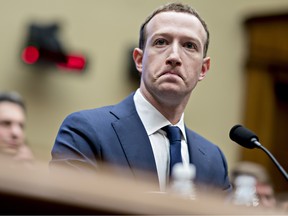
x=205 y=68
x=137 y=57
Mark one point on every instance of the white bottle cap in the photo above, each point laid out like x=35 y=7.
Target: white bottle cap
x=245 y=180
x=181 y=171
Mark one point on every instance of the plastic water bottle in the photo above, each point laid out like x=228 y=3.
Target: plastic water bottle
x=183 y=180
x=245 y=191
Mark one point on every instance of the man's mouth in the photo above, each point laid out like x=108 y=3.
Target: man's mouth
x=171 y=73
x=12 y=144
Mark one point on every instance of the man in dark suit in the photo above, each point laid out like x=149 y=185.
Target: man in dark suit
x=171 y=59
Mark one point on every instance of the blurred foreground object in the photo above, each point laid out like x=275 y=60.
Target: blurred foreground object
x=245 y=191
x=36 y=191
x=183 y=180
x=263 y=187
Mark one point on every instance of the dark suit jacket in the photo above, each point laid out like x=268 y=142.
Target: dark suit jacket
x=116 y=135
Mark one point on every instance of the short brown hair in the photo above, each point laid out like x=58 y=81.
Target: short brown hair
x=177 y=7
x=12 y=97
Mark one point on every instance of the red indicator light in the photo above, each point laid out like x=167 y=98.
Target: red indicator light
x=30 y=55
x=74 y=62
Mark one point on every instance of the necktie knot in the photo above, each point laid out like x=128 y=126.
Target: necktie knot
x=173 y=133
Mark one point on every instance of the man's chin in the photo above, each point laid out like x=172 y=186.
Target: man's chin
x=171 y=90
x=8 y=150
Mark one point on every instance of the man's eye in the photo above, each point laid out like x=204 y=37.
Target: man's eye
x=190 y=45
x=5 y=123
x=160 y=42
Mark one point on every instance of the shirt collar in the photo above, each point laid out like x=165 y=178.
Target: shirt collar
x=151 y=118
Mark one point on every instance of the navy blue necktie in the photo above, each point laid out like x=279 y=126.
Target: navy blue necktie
x=174 y=136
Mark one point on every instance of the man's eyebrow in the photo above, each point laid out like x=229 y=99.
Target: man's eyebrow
x=163 y=34
x=167 y=34
x=5 y=121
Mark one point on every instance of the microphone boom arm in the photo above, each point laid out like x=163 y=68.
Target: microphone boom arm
x=258 y=144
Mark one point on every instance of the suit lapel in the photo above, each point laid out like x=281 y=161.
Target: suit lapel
x=133 y=137
x=198 y=156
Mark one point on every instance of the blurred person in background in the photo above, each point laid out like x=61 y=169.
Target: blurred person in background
x=12 y=128
x=264 y=187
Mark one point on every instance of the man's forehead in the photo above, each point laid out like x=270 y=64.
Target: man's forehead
x=176 y=18
x=9 y=108
x=171 y=15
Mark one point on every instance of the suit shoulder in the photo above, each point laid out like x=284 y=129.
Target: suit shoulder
x=202 y=143
x=196 y=137
x=123 y=108
x=90 y=114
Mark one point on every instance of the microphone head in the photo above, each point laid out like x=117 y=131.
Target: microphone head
x=243 y=136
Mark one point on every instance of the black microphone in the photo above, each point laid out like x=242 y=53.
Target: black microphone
x=248 y=139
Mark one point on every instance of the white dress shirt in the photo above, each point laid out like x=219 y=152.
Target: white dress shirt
x=153 y=121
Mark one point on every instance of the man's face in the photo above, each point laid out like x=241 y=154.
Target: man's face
x=172 y=62
x=12 y=120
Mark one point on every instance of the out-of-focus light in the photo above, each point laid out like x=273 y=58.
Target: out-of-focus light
x=30 y=55
x=74 y=62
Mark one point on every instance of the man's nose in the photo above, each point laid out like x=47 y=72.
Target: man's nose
x=16 y=130
x=174 y=58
